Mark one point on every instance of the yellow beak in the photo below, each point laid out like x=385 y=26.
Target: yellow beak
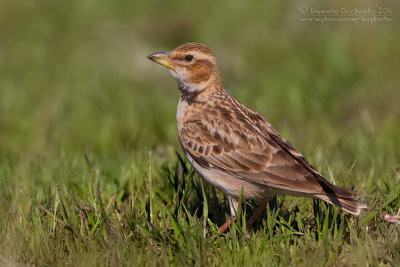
x=162 y=58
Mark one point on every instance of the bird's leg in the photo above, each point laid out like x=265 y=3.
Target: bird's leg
x=233 y=204
x=226 y=224
x=255 y=215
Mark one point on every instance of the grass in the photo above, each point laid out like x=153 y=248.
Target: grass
x=91 y=172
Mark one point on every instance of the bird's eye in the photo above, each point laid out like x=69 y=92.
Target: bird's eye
x=189 y=58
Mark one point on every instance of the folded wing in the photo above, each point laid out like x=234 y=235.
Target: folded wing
x=249 y=148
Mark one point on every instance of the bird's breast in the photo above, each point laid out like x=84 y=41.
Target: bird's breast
x=181 y=111
x=188 y=111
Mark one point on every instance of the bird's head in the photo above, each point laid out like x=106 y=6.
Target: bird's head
x=193 y=65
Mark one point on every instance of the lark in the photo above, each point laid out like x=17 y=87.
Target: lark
x=233 y=147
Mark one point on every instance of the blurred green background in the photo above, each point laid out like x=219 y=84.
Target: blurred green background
x=75 y=81
x=75 y=72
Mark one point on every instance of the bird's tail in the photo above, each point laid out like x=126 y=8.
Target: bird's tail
x=343 y=201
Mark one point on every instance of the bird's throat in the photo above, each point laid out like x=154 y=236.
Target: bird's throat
x=189 y=94
x=199 y=92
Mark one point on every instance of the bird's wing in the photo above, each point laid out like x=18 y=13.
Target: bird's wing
x=266 y=127
x=247 y=147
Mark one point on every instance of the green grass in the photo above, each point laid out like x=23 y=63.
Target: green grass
x=91 y=172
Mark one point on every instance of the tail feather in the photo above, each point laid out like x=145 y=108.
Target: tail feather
x=343 y=192
x=348 y=204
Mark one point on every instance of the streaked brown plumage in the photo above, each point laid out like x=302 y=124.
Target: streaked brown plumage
x=234 y=147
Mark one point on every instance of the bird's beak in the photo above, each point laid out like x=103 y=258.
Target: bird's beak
x=162 y=58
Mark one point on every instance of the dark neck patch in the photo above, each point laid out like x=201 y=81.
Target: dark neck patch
x=188 y=95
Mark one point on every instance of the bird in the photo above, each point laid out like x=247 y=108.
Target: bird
x=233 y=147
